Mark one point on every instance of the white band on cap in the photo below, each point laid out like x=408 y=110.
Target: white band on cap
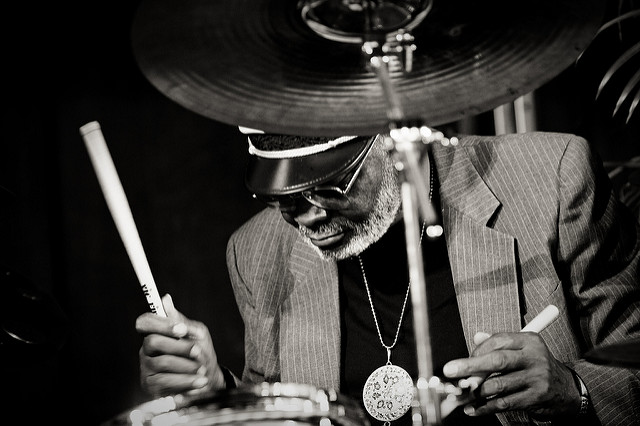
x=249 y=130
x=298 y=152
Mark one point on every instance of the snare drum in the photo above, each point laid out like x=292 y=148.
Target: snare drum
x=266 y=404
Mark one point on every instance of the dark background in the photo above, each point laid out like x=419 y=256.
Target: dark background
x=66 y=64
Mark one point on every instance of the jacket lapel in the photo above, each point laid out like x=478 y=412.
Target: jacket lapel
x=310 y=321
x=482 y=259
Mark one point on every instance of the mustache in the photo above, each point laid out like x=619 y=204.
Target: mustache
x=334 y=226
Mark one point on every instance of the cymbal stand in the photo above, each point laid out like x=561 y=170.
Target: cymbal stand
x=409 y=142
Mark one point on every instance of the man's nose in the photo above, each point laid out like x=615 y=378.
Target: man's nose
x=307 y=214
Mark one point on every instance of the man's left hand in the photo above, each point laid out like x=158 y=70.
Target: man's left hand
x=521 y=374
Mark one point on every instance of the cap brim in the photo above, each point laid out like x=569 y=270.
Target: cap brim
x=266 y=176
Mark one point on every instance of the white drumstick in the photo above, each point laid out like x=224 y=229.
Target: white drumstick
x=120 y=211
x=543 y=319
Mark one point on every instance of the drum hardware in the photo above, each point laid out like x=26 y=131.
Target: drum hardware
x=408 y=142
x=259 y=64
x=33 y=326
x=270 y=404
x=356 y=21
x=267 y=404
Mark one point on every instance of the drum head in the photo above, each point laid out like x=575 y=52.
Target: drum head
x=266 y=404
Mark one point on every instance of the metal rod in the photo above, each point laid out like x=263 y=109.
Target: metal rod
x=408 y=148
x=380 y=66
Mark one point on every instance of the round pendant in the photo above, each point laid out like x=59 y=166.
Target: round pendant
x=388 y=393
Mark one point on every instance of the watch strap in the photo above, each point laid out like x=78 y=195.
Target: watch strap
x=584 y=393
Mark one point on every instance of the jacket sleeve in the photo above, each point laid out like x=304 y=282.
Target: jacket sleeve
x=257 y=258
x=599 y=255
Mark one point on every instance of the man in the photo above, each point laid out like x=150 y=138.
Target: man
x=529 y=220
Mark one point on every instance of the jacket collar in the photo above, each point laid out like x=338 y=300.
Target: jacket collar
x=461 y=186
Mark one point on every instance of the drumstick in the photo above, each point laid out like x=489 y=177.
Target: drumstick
x=120 y=211
x=542 y=320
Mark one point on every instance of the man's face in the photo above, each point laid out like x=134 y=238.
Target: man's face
x=374 y=202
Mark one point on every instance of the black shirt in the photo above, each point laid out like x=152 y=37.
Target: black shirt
x=386 y=269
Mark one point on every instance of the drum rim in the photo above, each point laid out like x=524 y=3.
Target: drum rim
x=267 y=401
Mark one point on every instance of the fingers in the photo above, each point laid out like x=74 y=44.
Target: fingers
x=513 y=371
x=170 y=309
x=480 y=337
x=520 y=390
x=498 y=404
x=500 y=352
x=483 y=365
x=149 y=323
x=501 y=392
x=158 y=344
x=169 y=365
x=183 y=326
x=503 y=384
x=502 y=341
x=177 y=353
x=175 y=324
x=164 y=384
x=474 y=382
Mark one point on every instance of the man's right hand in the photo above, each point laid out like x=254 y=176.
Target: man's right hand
x=177 y=354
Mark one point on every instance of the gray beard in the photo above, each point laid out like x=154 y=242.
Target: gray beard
x=363 y=233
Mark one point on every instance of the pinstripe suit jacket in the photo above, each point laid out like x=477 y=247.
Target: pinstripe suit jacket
x=529 y=221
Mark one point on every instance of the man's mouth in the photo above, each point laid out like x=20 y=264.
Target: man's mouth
x=326 y=240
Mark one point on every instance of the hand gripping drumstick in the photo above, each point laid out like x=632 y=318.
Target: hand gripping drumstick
x=120 y=211
x=536 y=325
x=539 y=323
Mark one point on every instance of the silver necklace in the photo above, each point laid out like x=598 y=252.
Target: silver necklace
x=388 y=392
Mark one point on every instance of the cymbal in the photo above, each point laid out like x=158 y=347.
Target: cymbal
x=256 y=63
x=624 y=354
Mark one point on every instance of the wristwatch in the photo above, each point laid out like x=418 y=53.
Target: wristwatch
x=584 y=394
